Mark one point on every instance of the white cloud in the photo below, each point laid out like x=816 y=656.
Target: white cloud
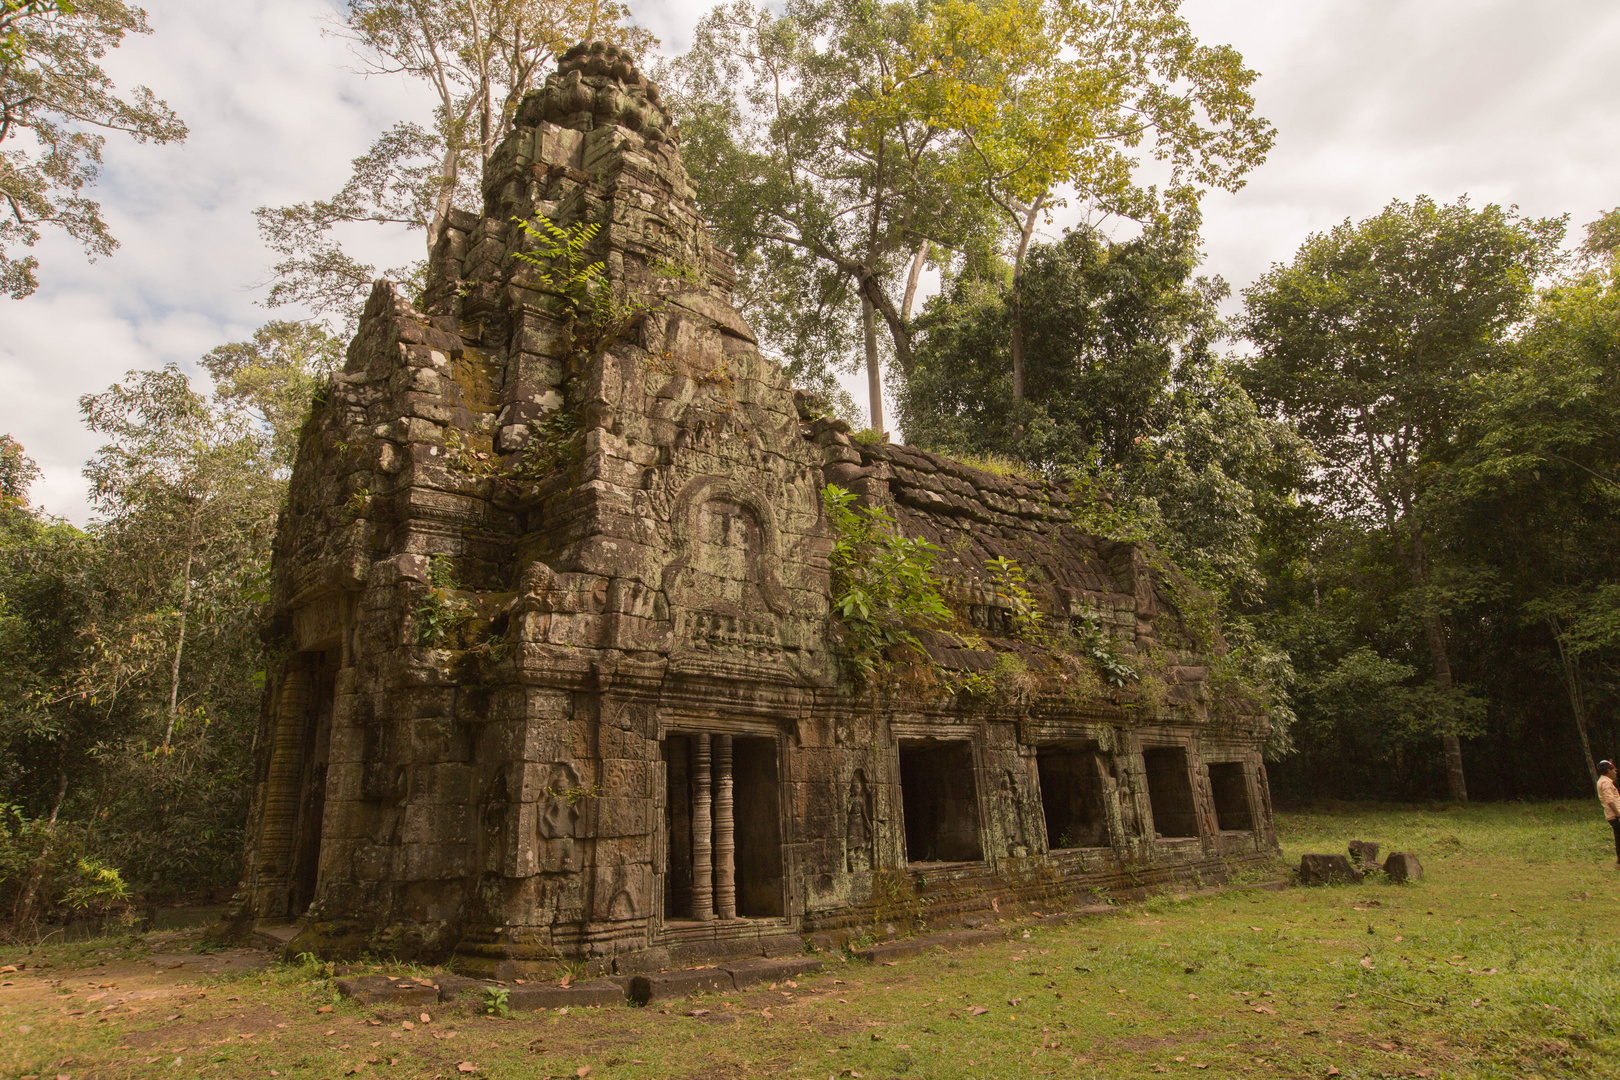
x=1508 y=101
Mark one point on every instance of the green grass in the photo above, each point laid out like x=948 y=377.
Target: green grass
x=1501 y=964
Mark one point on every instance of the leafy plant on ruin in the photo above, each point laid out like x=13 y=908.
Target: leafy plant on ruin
x=1098 y=644
x=355 y=505
x=1012 y=589
x=460 y=454
x=1008 y=680
x=883 y=584
x=561 y=254
x=555 y=443
x=441 y=612
x=676 y=270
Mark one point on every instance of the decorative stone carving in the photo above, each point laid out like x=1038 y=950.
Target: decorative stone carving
x=858 y=825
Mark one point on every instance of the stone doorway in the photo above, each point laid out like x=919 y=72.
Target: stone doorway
x=940 y=801
x=1230 y=787
x=1072 y=795
x=1170 y=791
x=723 y=828
x=317 y=742
x=293 y=811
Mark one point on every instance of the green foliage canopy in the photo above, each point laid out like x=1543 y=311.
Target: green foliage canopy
x=53 y=90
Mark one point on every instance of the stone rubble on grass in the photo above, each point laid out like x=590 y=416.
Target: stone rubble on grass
x=1402 y=867
x=1364 y=854
x=1327 y=870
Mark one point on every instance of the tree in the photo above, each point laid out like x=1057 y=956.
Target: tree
x=52 y=87
x=1367 y=342
x=811 y=169
x=1537 y=486
x=1107 y=327
x=17 y=473
x=1125 y=393
x=863 y=135
x=273 y=378
x=184 y=496
x=1058 y=95
x=479 y=57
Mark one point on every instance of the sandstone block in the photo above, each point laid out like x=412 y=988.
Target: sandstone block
x=1327 y=870
x=746 y=973
x=658 y=986
x=577 y=995
x=1403 y=868
x=381 y=990
x=1364 y=854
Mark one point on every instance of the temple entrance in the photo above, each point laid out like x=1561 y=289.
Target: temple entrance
x=1071 y=795
x=940 y=801
x=722 y=821
x=295 y=788
x=1170 y=791
x=316 y=746
x=1230 y=787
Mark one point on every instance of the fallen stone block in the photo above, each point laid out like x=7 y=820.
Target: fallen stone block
x=1327 y=870
x=1402 y=867
x=381 y=990
x=771 y=969
x=1363 y=854
x=452 y=987
x=577 y=995
x=659 y=985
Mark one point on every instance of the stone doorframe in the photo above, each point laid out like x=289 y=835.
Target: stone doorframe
x=714 y=872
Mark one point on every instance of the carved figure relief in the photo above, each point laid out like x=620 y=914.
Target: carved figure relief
x=858 y=831
x=492 y=824
x=558 y=820
x=1018 y=830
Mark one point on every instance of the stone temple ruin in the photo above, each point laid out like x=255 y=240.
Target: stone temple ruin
x=561 y=677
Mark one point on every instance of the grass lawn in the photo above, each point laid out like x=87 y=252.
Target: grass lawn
x=1502 y=963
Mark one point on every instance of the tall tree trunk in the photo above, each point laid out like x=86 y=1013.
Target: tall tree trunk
x=180 y=645
x=1577 y=700
x=874 y=375
x=449 y=176
x=911 y=280
x=1031 y=213
x=1414 y=554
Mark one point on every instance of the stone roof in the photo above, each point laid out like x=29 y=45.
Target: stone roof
x=1080 y=580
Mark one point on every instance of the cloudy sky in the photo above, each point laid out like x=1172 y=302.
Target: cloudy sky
x=1513 y=101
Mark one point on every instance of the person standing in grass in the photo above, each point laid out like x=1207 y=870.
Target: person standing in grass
x=1609 y=796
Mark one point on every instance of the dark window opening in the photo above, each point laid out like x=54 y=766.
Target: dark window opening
x=1231 y=790
x=759 y=829
x=940 y=801
x=1170 y=791
x=756 y=822
x=316 y=753
x=1071 y=796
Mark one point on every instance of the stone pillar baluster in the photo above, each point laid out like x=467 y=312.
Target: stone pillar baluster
x=702 y=835
x=725 y=832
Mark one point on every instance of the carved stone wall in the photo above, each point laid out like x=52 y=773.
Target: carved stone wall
x=554 y=588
